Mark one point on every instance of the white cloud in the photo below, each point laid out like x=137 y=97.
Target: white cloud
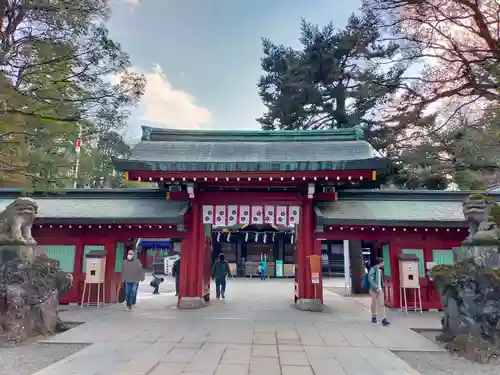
x=133 y=2
x=166 y=106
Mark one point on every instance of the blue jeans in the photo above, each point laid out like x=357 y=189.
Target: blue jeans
x=131 y=292
x=262 y=275
x=220 y=287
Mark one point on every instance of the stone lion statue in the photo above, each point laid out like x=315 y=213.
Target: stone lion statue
x=15 y=226
x=477 y=213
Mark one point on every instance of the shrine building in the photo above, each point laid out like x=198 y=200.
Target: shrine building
x=285 y=195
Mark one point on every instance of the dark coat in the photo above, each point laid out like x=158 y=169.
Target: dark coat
x=176 y=269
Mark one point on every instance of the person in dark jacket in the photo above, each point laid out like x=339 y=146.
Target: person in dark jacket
x=220 y=272
x=155 y=283
x=176 y=272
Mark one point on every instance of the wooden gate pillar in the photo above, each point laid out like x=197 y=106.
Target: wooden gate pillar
x=310 y=296
x=191 y=288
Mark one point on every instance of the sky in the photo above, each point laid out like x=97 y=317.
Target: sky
x=201 y=58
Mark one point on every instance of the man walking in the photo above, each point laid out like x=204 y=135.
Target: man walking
x=377 y=292
x=132 y=274
x=176 y=272
x=220 y=272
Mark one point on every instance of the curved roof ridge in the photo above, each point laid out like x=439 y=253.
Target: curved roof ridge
x=180 y=135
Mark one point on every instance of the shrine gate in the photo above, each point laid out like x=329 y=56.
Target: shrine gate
x=268 y=180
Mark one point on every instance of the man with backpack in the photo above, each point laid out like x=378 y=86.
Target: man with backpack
x=375 y=286
x=220 y=273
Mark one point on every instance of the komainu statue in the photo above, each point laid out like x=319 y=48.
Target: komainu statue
x=478 y=212
x=29 y=287
x=15 y=228
x=470 y=287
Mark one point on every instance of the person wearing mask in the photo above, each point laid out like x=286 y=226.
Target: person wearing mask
x=220 y=272
x=376 y=292
x=176 y=272
x=263 y=267
x=132 y=274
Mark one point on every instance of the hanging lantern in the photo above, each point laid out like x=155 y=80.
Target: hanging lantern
x=256 y=237
x=218 y=236
x=291 y=238
x=229 y=237
x=265 y=238
x=246 y=237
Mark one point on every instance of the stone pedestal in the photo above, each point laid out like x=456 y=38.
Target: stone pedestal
x=483 y=256
x=470 y=294
x=29 y=298
x=191 y=303
x=313 y=304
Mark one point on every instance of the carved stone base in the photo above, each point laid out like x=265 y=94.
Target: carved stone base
x=487 y=256
x=313 y=304
x=29 y=298
x=191 y=303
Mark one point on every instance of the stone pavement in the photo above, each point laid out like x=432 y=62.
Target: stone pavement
x=255 y=331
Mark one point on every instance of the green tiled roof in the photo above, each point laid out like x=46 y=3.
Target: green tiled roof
x=251 y=151
x=392 y=212
x=105 y=209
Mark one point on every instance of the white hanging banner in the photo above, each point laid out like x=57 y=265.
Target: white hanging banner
x=281 y=216
x=244 y=215
x=257 y=215
x=269 y=215
x=293 y=215
x=208 y=214
x=232 y=215
x=220 y=215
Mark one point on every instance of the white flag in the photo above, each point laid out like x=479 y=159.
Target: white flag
x=232 y=215
x=269 y=215
x=281 y=216
x=208 y=214
x=293 y=215
x=257 y=215
x=220 y=216
x=244 y=215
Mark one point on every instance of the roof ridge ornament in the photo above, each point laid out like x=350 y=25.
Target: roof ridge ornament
x=146 y=133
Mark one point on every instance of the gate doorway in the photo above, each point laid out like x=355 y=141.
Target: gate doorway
x=244 y=247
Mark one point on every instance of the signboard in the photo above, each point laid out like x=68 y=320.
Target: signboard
x=315 y=267
x=315 y=278
x=279 y=268
x=168 y=264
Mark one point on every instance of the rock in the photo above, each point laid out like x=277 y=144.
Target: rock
x=29 y=297
x=29 y=287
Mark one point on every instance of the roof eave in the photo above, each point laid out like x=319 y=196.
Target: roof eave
x=111 y=221
x=395 y=223
x=379 y=164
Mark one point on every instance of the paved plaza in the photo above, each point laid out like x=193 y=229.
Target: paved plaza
x=254 y=331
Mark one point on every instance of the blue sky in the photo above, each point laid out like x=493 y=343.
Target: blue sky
x=202 y=57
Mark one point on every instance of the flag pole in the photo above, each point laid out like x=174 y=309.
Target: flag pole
x=78 y=144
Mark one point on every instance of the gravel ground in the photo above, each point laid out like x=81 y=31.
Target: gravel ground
x=443 y=363
x=28 y=359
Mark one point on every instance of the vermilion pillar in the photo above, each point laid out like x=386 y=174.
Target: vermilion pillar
x=191 y=275
x=310 y=295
